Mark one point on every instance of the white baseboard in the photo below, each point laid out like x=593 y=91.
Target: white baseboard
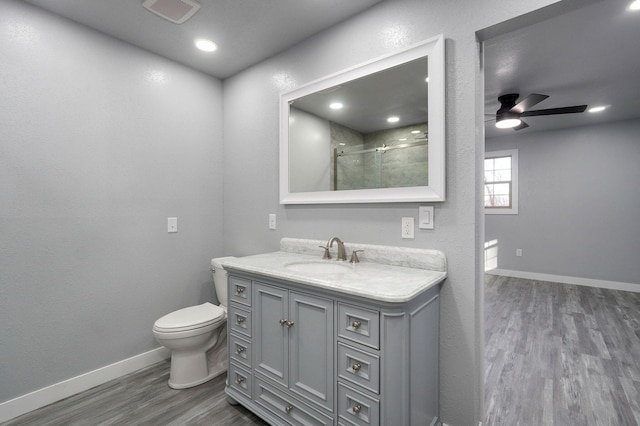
x=611 y=285
x=45 y=396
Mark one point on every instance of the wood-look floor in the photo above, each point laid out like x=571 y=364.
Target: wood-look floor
x=560 y=355
x=143 y=398
x=556 y=355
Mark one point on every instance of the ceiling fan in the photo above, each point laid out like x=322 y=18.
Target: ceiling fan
x=509 y=115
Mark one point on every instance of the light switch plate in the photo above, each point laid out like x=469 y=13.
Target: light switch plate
x=172 y=224
x=425 y=217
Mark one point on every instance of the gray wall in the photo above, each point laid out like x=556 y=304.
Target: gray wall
x=99 y=143
x=251 y=166
x=579 y=203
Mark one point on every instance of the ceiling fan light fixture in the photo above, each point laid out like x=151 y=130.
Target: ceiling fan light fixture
x=508 y=123
x=507 y=119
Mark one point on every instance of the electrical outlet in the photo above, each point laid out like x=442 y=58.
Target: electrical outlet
x=519 y=252
x=407 y=227
x=272 y=221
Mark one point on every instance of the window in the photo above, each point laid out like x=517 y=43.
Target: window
x=501 y=182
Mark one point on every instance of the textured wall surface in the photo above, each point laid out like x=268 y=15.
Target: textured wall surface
x=579 y=203
x=99 y=143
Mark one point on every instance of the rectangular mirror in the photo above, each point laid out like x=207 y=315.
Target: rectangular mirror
x=340 y=142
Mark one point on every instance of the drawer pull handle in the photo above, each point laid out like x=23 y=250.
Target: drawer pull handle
x=356 y=367
x=290 y=324
x=240 y=349
x=283 y=321
x=288 y=408
x=356 y=410
x=240 y=320
x=239 y=290
x=240 y=380
x=356 y=324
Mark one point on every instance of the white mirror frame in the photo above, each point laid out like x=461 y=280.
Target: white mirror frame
x=432 y=48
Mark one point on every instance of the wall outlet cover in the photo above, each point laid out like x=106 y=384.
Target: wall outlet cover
x=407 y=227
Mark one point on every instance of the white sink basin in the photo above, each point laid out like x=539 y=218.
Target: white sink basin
x=319 y=267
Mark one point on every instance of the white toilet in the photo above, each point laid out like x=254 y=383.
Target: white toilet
x=196 y=336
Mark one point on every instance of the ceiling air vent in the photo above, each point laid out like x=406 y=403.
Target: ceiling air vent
x=176 y=11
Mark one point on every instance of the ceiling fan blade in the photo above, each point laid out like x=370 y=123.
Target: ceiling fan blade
x=521 y=126
x=554 y=111
x=528 y=102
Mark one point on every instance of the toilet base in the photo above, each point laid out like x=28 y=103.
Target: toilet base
x=193 y=369
x=212 y=375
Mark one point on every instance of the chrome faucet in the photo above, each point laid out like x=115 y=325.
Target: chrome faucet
x=341 y=253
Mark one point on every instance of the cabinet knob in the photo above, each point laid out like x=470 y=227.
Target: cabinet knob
x=240 y=380
x=356 y=324
x=290 y=324
x=356 y=367
x=288 y=408
x=240 y=349
x=283 y=321
x=240 y=320
x=239 y=290
x=356 y=409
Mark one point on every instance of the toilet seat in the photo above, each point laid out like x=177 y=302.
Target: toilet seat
x=190 y=318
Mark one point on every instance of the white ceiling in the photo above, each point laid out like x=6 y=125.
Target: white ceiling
x=246 y=31
x=588 y=56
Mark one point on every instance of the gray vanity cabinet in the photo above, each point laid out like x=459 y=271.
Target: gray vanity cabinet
x=293 y=343
x=306 y=356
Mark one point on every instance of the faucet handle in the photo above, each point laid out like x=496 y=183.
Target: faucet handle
x=354 y=256
x=326 y=255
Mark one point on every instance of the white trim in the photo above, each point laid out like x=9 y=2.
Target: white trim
x=513 y=153
x=589 y=282
x=56 y=392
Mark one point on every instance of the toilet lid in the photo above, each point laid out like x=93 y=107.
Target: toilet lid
x=190 y=318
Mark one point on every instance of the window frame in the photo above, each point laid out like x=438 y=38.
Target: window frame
x=513 y=153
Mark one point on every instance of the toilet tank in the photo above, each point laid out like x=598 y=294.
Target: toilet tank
x=220 y=279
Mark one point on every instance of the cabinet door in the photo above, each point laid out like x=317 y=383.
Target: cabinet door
x=271 y=334
x=311 y=348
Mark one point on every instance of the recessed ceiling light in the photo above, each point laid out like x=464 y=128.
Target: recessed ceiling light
x=393 y=119
x=415 y=132
x=597 y=109
x=402 y=139
x=635 y=5
x=336 y=105
x=205 y=45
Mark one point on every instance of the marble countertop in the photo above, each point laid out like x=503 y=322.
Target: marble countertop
x=397 y=275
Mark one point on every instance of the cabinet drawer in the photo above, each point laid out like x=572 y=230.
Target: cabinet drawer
x=355 y=408
x=288 y=408
x=358 y=324
x=240 y=350
x=239 y=320
x=240 y=379
x=359 y=367
x=240 y=290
